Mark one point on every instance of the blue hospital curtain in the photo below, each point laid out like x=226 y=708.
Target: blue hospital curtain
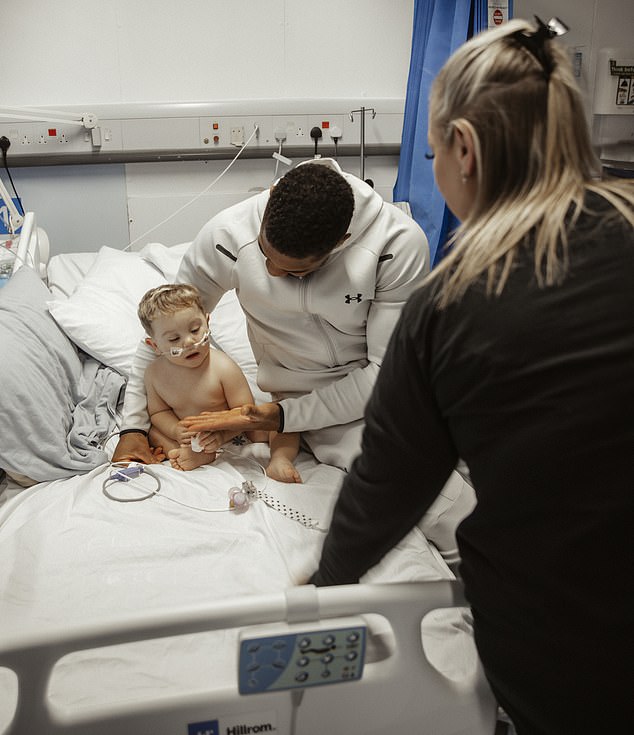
x=439 y=27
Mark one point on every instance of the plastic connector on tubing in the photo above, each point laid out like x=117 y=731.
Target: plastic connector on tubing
x=280 y=135
x=238 y=499
x=124 y=474
x=335 y=132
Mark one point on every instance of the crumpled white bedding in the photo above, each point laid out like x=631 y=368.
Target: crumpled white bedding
x=70 y=555
x=57 y=405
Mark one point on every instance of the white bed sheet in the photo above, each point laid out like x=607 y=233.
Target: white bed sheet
x=70 y=555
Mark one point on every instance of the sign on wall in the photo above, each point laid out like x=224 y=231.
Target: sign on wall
x=498 y=12
x=625 y=83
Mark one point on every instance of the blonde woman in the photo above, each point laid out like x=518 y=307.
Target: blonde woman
x=517 y=356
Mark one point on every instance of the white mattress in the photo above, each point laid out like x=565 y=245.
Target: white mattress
x=70 y=555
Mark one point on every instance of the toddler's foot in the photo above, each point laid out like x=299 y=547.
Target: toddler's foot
x=183 y=458
x=283 y=470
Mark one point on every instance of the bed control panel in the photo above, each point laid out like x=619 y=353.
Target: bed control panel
x=301 y=658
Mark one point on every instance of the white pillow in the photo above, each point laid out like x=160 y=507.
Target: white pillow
x=65 y=271
x=100 y=316
x=166 y=259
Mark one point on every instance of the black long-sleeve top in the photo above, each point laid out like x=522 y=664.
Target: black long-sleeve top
x=534 y=389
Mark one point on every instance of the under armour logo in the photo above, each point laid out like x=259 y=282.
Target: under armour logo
x=350 y=298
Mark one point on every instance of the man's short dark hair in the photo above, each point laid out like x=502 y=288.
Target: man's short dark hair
x=308 y=211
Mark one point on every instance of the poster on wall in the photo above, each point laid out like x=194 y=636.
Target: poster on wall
x=625 y=83
x=498 y=12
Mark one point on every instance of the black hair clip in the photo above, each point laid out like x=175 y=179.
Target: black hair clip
x=535 y=41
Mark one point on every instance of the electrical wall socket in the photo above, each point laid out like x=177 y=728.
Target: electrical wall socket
x=134 y=131
x=327 y=123
x=383 y=130
x=296 y=128
x=237 y=136
x=41 y=139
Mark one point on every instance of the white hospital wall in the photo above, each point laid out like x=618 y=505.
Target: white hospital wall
x=161 y=50
x=594 y=24
x=119 y=51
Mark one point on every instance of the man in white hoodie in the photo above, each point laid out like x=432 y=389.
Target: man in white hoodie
x=322 y=267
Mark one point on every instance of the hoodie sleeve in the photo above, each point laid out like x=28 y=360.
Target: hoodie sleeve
x=135 y=414
x=401 y=268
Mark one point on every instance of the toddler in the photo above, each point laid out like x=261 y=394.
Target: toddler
x=189 y=377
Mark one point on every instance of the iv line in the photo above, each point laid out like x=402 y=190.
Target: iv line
x=201 y=193
x=129 y=471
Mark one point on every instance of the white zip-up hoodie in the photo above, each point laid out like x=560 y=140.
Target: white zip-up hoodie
x=318 y=340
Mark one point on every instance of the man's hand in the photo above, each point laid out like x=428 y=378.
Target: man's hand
x=134 y=447
x=264 y=416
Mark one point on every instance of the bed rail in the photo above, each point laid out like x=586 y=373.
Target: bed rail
x=400 y=690
x=33 y=246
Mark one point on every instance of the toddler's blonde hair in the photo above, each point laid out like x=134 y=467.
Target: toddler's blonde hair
x=167 y=299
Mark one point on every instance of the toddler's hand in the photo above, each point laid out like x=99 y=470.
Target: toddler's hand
x=211 y=441
x=183 y=436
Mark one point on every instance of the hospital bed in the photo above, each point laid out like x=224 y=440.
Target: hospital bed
x=145 y=604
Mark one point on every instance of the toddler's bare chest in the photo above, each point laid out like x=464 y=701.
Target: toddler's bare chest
x=189 y=392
